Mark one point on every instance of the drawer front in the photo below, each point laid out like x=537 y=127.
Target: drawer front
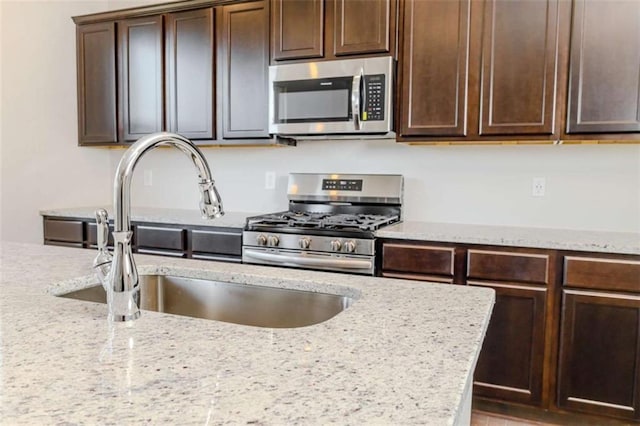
x=508 y=266
x=218 y=242
x=425 y=260
x=160 y=238
x=602 y=273
x=63 y=230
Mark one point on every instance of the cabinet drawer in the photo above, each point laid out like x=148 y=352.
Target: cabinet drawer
x=602 y=273
x=160 y=238
x=418 y=259
x=218 y=242
x=508 y=266
x=63 y=230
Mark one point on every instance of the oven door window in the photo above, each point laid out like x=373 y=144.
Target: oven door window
x=313 y=101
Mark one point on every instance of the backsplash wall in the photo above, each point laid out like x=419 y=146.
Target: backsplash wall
x=591 y=187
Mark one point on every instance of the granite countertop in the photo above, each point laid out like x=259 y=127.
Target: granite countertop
x=546 y=238
x=403 y=353
x=158 y=215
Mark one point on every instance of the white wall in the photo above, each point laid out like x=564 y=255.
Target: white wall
x=42 y=166
x=587 y=187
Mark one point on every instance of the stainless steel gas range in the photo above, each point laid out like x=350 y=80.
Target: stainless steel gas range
x=330 y=223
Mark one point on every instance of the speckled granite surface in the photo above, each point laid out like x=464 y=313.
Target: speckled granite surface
x=561 y=239
x=401 y=354
x=158 y=215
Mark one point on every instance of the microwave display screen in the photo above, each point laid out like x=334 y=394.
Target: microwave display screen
x=313 y=105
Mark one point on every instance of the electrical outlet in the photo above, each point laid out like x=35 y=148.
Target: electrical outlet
x=270 y=180
x=148 y=177
x=538 y=186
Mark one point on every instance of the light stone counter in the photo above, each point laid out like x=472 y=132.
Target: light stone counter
x=158 y=215
x=561 y=239
x=403 y=353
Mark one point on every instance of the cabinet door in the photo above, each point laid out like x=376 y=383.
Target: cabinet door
x=433 y=68
x=421 y=262
x=510 y=366
x=297 y=29
x=243 y=70
x=604 y=88
x=362 y=26
x=600 y=353
x=140 y=84
x=96 y=62
x=519 y=61
x=190 y=73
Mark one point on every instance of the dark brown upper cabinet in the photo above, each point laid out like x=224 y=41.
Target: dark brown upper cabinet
x=604 y=88
x=190 y=73
x=297 y=29
x=140 y=65
x=480 y=70
x=433 y=68
x=243 y=65
x=96 y=73
x=327 y=29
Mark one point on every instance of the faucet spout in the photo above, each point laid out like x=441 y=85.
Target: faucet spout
x=123 y=295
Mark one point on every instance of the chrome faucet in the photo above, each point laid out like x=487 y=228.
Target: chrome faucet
x=118 y=273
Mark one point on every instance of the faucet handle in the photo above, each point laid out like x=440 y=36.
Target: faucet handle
x=102 y=261
x=102 y=220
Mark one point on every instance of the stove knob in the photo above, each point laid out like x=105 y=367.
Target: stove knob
x=304 y=243
x=336 y=245
x=273 y=240
x=350 y=246
x=261 y=240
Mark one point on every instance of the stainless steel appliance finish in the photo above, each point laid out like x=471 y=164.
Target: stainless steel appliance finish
x=235 y=303
x=330 y=223
x=340 y=97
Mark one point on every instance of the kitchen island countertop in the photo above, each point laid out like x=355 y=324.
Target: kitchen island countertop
x=403 y=353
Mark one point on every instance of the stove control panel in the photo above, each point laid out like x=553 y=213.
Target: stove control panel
x=317 y=243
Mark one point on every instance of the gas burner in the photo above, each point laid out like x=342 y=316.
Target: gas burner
x=317 y=220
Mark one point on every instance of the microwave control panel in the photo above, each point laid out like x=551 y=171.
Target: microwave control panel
x=373 y=109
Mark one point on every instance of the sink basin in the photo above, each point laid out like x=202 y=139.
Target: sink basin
x=235 y=303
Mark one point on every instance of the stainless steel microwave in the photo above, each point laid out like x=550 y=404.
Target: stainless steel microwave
x=340 y=97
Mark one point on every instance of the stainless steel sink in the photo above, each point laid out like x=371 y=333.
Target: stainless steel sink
x=235 y=303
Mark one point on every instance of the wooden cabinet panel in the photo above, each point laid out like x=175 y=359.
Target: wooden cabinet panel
x=519 y=60
x=600 y=354
x=190 y=73
x=602 y=273
x=92 y=235
x=604 y=88
x=63 y=230
x=416 y=259
x=508 y=266
x=243 y=70
x=433 y=68
x=141 y=84
x=96 y=67
x=297 y=29
x=510 y=366
x=155 y=237
x=216 y=242
x=362 y=26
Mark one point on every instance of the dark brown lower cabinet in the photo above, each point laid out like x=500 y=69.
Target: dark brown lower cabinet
x=511 y=363
x=197 y=242
x=600 y=353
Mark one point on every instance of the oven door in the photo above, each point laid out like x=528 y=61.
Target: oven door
x=309 y=260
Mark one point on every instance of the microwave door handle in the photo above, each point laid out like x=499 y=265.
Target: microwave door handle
x=355 y=99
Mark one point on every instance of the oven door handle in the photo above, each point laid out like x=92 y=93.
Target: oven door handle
x=309 y=261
